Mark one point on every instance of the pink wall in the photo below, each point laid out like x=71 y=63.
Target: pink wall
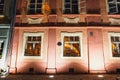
x=51 y=51
x=95 y=46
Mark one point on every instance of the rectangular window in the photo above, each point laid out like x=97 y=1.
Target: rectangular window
x=1 y=48
x=114 y=6
x=74 y=6
x=115 y=44
x=71 y=44
x=33 y=44
x=35 y=7
x=3 y=42
x=1 y=6
x=71 y=7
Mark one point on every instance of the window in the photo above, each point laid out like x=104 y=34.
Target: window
x=1 y=48
x=115 y=44
x=35 y=7
x=3 y=42
x=114 y=6
x=1 y=6
x=71 y=44
x=33 y=44
x=74 y=6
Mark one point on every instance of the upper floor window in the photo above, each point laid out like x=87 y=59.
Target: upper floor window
x=33 y=44
x=115 y=44
x=74 y=6
x=71 y=6
x=114 y=6
x=35 y=7
x=71 y=44
x=1 y=6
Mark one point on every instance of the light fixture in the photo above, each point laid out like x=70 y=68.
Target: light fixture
x=51 y=76
x=100 y=76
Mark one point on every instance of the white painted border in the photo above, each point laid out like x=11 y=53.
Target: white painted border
x=72 y=34
x=109 y=37
x=24 y=42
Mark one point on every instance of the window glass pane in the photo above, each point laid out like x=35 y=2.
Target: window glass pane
x=67 y=1
x=67 y=11
x=118 y=8
x=74 y=1
x=75 y=9
x=39 y=1
x=67 y=5
x=1 y=48
x=112 y=5
x=113 y=10
x=76 y=38
x=38 y=11
x=71 y=46
x=32 y=1
x=2 y=1
x=3 y=32
x=32 y=11
x=33 y=46
x=110 y=0
x=32 y=5
x=115 y=41
x=39 y=5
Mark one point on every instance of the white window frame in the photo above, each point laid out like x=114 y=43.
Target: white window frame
x=109 y=36
x=70 y=6
x=71 y=34
x=25 y=40
x=115 y=1
x=35 y=6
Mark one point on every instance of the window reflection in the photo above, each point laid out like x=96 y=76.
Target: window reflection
x=115 y=46
x=33 y=46
x=71 y=46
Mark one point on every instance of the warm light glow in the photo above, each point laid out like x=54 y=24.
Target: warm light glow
x=51 y=76
x=100 y=76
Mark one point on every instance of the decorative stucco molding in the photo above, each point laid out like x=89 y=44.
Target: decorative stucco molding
x=34 y=20
x=114 y=21
x=71 y=20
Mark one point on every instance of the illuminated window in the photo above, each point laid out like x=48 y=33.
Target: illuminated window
x=1 y=6
x=71 y=44
x=73 y=6
x=115 y=44
x=1 y=48
x=114 y=6
x=35 y=7
x=33 y=44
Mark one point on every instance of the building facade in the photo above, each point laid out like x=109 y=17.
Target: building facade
x=65 y=36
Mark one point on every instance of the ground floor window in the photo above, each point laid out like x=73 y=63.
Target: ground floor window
x=115 y=44
x=33 y=44
x=71 y=44
x=1 y=48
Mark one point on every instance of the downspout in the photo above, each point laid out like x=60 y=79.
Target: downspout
x=11 y=34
